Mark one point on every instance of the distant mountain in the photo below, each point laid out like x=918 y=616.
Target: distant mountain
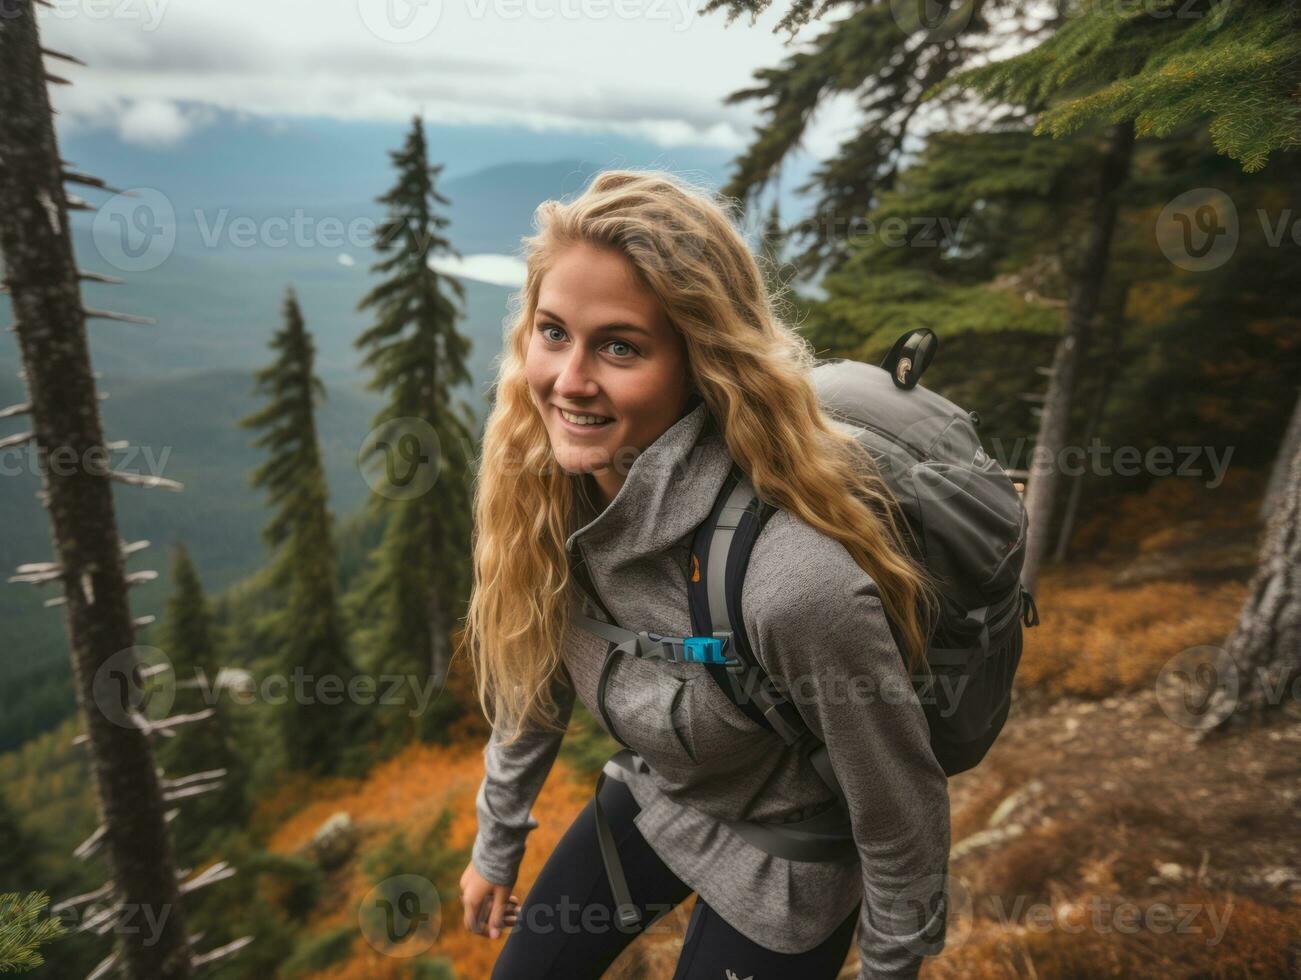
x=492 y=209
x=218 y=309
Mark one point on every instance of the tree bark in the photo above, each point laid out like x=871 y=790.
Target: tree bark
x=42 y=277
x=1096 y=411
x=1265 y=646
x=1278 y=475
x=1081 y=306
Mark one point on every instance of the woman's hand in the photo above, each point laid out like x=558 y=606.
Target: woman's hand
x=487 y=904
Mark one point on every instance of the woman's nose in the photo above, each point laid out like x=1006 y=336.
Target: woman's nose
x=575 y=377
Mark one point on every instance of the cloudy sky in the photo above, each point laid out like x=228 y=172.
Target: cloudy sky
x=657 y=70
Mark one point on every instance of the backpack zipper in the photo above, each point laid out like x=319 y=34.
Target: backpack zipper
x=913 y=450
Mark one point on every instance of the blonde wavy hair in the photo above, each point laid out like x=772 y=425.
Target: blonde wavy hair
x=752 y=371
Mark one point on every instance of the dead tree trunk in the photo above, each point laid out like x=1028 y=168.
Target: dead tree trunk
x=42 y=279
x=1085 y=291
x=1278 y=475
x=1265 y=646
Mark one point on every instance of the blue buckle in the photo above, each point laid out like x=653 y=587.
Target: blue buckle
x=703 y=650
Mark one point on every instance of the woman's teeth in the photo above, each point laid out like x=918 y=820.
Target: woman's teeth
x=584 y=419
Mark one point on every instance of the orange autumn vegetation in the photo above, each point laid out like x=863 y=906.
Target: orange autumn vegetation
x=1171 y=511
x=1100 y=634
x=1099 y=639
x=406 y=793
x=1253 y=945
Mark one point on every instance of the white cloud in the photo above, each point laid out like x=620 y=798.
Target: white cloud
x=656 y=70
x=156 y=122
x=346 y=260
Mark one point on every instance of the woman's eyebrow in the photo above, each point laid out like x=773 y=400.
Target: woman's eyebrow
x=616 y=325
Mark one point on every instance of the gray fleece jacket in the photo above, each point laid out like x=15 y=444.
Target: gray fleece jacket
x=815 y=622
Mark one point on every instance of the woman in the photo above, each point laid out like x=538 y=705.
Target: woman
x=647 y=358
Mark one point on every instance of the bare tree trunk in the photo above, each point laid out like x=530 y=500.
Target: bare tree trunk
x=1080 y=308
x=1278 y=475
x=1265 y=646
x=42 y=277
x=1096 y=411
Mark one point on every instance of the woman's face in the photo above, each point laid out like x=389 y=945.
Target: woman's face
x=602 y=346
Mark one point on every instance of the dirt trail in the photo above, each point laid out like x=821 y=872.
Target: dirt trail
x=1100 y=838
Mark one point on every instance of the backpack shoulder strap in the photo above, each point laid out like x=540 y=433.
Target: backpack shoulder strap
x=720 y=554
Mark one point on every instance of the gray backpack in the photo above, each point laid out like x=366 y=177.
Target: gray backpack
x=965 y=522
x=968 y=526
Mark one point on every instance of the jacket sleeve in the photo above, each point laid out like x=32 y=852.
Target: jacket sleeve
x=821 y=634
x=512 y=778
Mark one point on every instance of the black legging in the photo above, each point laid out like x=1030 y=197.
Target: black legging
x=566 y=926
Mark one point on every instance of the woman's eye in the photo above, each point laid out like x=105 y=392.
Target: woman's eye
x=545 y=329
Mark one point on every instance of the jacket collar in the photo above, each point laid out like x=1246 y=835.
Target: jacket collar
x=670 y=489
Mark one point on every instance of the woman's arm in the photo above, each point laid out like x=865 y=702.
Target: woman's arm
x=513 y=777
x=819 y=629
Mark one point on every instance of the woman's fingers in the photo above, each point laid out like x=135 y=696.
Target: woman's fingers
x=471 y=917
x=500 y=899
x=491 y=917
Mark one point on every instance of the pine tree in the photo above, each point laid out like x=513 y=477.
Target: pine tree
x=211 y=744
x=421 y=442
x=899 y=56
x=884 y=55
x=1161 y=65
x=1143 y=70
x=317 y=721
x=970 y=239
x=23 y=928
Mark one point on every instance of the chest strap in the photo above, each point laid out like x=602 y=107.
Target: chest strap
x=780 y=714
x=656 y=646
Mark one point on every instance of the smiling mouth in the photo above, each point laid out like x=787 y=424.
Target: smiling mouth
x=584 y=418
